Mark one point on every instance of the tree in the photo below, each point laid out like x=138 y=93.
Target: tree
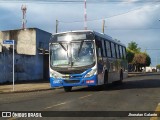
x=130 y=55
x=136 y=58
x=158 y=66
x=134 y=47
x=148 y=60
x=139 y=61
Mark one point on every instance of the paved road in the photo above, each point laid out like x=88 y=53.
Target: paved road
x=135 y=94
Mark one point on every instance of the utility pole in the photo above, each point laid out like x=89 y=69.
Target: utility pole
x=24 y=21
x=103 y=25
x=85 y=14
x=56 y=26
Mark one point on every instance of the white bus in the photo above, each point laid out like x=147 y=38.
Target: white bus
x=85 y=58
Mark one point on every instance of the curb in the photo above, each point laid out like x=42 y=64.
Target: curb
x=142 y=74
x=33 y=90
x=24 y=91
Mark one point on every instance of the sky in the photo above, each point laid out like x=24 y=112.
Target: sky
x=125 y=20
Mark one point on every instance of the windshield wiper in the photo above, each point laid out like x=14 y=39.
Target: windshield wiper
x=63 y=47
x=66 y=51
x=80 y=47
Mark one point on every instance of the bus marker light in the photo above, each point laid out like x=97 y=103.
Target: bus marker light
x=89 y=81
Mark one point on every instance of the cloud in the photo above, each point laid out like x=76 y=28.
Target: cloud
x=138 y=18
x=44 y=16
x=130 y=1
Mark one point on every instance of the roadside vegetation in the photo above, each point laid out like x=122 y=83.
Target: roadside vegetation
x=158 y=66
x=136 y=58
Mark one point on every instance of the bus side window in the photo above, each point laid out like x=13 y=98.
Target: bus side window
x=103 y=48
x=99 y=46
x=117 y=51
x=121 y=53
x=99 y=52
x=113 y=50
x=108 y=48
x=124 y=52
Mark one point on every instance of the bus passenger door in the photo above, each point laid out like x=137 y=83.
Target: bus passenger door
x=100 y=62
x=100 y=67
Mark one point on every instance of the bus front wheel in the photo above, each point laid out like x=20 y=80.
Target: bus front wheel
x=67 y=89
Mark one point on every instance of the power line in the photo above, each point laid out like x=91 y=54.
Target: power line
x=109 y=16
x=81 y=1
x=152 y=49
x=155 y=2
x=151 y=28
x=128 y=29
x=105 y=17
x=133 y=28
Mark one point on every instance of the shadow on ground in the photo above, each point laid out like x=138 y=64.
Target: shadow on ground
x=138 y=84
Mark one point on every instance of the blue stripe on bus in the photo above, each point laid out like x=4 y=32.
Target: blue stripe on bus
x=92 y=81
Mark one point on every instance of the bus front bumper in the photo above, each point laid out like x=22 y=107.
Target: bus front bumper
x=58 y=82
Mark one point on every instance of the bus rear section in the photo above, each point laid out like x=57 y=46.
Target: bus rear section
x=72 y=60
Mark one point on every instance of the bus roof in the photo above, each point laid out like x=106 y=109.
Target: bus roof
x=109 y=38
x=95 y=33
x=73 y=31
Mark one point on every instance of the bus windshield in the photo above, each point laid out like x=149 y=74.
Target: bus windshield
x=73 y=54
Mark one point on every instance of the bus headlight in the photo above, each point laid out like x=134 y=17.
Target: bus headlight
x=55 y=74
x=92 y=72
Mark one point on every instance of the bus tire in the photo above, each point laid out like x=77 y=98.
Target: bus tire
x=68 y=89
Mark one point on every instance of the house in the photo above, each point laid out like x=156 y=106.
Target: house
x=31 y=54
x=150 y=69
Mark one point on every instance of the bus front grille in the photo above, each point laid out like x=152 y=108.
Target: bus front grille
x=71 y=81
x=72 y=77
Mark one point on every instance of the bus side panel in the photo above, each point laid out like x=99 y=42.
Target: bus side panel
x=125 y=74
x=113 y=76
x=100 y=72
